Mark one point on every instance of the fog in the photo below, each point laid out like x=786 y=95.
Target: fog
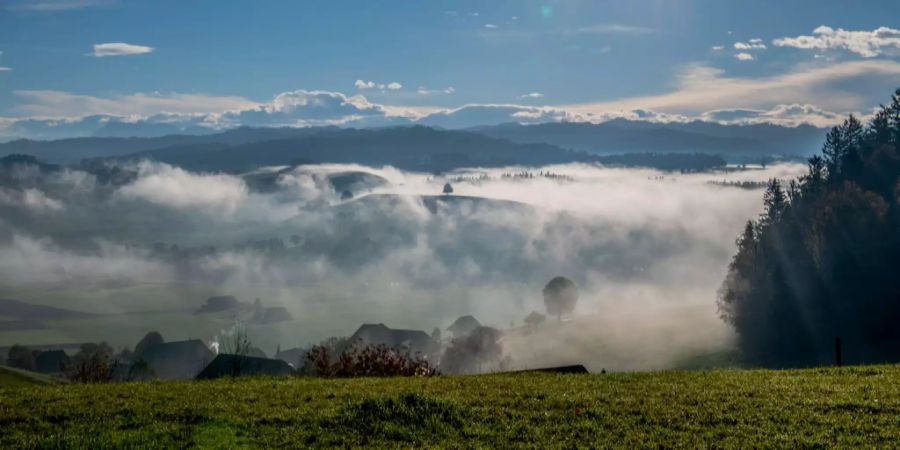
x=648 y=251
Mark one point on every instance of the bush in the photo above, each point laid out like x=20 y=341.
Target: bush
x=94 y=363
x=366 y=361
x=477 y=352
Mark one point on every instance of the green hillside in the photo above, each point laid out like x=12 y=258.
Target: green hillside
x=15 y=378
x=850 y=407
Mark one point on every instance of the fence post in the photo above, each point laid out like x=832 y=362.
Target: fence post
x=837 y=352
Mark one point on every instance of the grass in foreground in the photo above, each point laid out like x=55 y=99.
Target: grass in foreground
x=847 y=407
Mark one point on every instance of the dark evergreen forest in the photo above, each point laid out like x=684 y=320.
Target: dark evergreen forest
x=821 y=262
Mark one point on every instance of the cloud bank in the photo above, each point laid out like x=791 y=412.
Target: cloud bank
x=119 y=49
x=867 y=44
x=828 y=93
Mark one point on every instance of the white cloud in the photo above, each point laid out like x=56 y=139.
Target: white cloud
x=422 y=90
x=752 y=44
x=363 y=85
x=613 y=28
x=867 y=44
x=173 y=187
x=47 y=103
x=809 y=93
x=844 y=86
x=5 y=69
x=532 y=95
x=744 y=56
x=787 y=115
x=491 y=26
x=718 y=48
x=310 y=108
x=492 y=114
x=119 y=49
x=31 y=199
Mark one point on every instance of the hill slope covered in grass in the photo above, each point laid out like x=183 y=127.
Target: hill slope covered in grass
x=849 y=407
x=15 y=378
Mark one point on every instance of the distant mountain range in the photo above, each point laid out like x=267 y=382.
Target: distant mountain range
x=626 y=136
x=431 y=149
x=73 y=150
x=409 y=148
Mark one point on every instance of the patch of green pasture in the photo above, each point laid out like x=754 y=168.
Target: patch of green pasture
x=849 y=407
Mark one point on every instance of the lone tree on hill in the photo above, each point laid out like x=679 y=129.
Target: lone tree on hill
x=448 y=189
x=560 y=296
x=534 y=319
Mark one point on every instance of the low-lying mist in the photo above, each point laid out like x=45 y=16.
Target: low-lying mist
x=339 y=245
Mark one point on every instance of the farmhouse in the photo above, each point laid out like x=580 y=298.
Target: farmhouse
x=463 y=326
x=235 y=365
x=180 y=360
x=415 y=341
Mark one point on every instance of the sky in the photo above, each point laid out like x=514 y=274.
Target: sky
x=214 y=63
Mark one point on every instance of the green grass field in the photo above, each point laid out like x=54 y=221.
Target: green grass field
x=849 y=407
x=14 y=378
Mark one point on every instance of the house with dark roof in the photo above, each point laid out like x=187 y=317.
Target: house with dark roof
x=181 y=360
x=296 y=357
x=414 y=341
x=239 y=366
x=52 y=361
x=463 y=326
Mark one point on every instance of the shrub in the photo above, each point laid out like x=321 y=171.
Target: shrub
x=94 y=363
x=366 y=361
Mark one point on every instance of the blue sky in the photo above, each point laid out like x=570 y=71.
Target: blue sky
x=569 y=59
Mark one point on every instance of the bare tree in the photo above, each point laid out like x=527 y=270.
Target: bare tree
x=236 y=342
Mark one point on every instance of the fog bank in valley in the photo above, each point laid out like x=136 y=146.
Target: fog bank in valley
x=339 y=245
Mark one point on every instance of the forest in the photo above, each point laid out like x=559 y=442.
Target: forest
x=817 y=271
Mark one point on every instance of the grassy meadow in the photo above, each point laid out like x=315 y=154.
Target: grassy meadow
x=848 y=407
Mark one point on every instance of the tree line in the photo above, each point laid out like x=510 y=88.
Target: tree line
x=821 y=262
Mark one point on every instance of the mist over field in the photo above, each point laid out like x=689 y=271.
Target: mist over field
x=647 y=249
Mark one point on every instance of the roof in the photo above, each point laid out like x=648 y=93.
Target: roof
x=179 y=360
x=234 y=365
x=417 y=341
x=149 y=340
x=464 y=325
x=294 y=356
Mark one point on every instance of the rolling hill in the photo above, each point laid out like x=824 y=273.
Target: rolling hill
x=409 y=148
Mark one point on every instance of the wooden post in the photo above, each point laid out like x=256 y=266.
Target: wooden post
x=837 y=352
